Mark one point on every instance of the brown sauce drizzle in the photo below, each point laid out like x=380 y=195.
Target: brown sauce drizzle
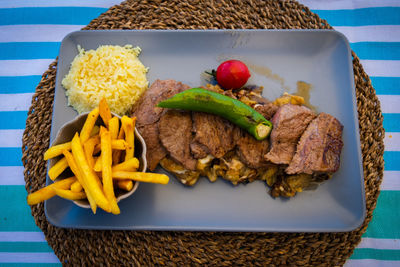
x=303 y=90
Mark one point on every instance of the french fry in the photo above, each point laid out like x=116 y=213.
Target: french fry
x=116 y=144
x=97 y=165
x=141 y=177
x=89 y=124
x=105 y=112
x=129 y=165
x=88 y=148
x=48 y=192
x=56 y=150
x=128 y=125
x=95 y=131
x=117 y=154
x=76 y=187
x=113 y=127
x=106 y=161
x=90 y=177
x=126 y=185
x=68 y=194
x=58 y=168
x=79 y=176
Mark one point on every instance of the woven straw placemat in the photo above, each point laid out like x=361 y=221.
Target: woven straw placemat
x=83 y=247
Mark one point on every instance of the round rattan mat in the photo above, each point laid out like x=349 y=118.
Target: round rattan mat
x=83 y=247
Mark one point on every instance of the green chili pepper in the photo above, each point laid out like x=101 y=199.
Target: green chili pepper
x=197 y=99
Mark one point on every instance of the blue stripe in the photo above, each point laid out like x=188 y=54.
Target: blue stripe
x=361 y=17
x=30 y=265
x=377 y=50
x=16 y=215
x=13 y=119
x=29 y=50
x=391 y=122
x=49 y=15
x=49 y=50
x=10 y=156
x=385 y=214
x=386 y=85
x=18 y=84
x=392 y=160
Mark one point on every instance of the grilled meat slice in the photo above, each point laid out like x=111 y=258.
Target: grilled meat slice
x=215 y=135
x=148 y=116
x=252 y=151
x=175 y=134
x=290 y=121
x=319 y=147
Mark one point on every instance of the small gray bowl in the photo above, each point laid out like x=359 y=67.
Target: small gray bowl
x=67 y=132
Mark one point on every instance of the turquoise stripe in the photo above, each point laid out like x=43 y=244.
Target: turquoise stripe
x=386 y=85
x=377 y=254
x=361 y=17
x=25 y=247
x=49 y=15
x=392 y=161
x=29 y=50
x=386 y=216
x=15 y=215
x=49 y=50
x=19 y=84
x=377 y=50
x=30 y=264
x=391 y=122
x=10 y=156
x=13 y=119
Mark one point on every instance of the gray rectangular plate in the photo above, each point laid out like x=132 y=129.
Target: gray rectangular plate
x=277 y=60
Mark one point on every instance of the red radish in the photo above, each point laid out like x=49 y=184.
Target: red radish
x=232 y=74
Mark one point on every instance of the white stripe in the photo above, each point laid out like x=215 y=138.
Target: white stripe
x=15 y=102
x=379 y=243
x=346 y=4
x=52 y=3
x=24 y=67
x=36 y=33
x=22 y=237
x=12 y=175
x=391 y=181
x=390 y=103
x=382 y=68
x=371 y=263
x=33 y=257
x=392 y=141
x=371 y=33
x=11 y=138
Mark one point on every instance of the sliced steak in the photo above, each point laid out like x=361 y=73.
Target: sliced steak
x=213 y=135
x=148 y=116
x=268 y=110
x=155 y=151
x=251 y=151
x=290 y=121
x=319 y=147
x=147 y=112
x=175 y=134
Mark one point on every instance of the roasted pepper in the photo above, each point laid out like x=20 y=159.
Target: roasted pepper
x=197 y=99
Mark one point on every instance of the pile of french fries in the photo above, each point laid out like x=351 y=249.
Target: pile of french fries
x=101 y=158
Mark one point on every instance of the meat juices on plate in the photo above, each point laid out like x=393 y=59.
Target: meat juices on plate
x=290 y=121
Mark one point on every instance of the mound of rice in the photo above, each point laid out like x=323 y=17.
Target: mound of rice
x=112 y=72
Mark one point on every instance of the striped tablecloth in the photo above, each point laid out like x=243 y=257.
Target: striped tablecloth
x=30 y=35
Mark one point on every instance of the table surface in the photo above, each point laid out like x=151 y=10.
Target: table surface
x=30 y=36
